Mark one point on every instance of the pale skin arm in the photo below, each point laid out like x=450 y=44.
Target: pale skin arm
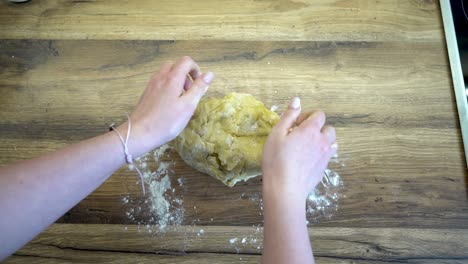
x=35 y=193
x=295 y=156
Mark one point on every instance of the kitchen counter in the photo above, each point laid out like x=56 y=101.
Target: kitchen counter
x=379 y=69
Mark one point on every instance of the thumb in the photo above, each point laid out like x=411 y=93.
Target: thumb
x=288 y=119
x=199 y=87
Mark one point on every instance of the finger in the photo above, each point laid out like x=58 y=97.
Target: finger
x=315 y=120
x=188 y=82
x=166 y=67
x=302 y=117
x=289 y=117
x=199 y=87
x=329 y=133
x=330 y=153
x=186 y=66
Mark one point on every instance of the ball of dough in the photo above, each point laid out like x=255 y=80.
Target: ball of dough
x=225 y=137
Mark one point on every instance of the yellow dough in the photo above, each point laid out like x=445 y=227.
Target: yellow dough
x=225 y=137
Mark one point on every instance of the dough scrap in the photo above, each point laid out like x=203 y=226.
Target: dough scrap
x=225 y=137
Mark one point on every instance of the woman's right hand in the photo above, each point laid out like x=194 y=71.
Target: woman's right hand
x=297 y=153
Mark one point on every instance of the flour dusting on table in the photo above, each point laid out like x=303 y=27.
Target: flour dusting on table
x=323 y=201
x=164 y=206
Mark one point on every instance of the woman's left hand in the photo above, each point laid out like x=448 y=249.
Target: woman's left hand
x=167 y=104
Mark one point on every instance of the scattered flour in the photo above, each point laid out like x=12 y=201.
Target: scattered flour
x=323 y=201
x=201 y=232
x=274 y=108
x=159 y=152
x=164 y=206
x=159 y=204
x=180 y=181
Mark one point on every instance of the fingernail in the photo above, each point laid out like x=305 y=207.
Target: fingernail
x=295 y=103
x=208 y=77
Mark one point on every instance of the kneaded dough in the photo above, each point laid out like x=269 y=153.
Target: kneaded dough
x=225 y=137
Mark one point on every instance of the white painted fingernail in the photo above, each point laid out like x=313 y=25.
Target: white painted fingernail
x=208 y=77
x=295 y=103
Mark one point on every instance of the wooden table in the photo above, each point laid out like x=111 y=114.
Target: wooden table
x=379 y=69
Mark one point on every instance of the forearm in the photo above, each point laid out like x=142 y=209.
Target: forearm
x=35 y=193
x=286 y=238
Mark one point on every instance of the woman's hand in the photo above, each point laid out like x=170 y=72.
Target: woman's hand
x=166 y=105
x=35 y=193
x=295 y=156
x=296 y=153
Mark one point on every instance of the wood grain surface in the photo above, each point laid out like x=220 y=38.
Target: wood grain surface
x=330 y=20
x=97 y=243
x=379 y=70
